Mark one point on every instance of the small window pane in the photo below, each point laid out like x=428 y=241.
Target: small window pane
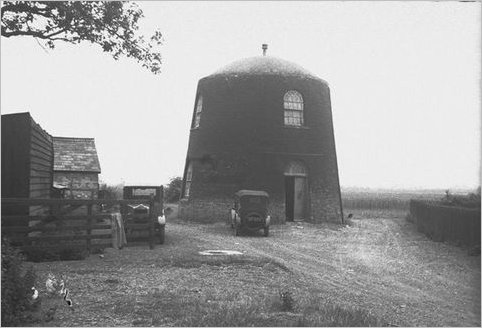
x=293 y=117
x=199 y=106
x=197 y=113
x=296 y=168
x=197 y=119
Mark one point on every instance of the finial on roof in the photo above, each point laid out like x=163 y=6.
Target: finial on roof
x=264 y=47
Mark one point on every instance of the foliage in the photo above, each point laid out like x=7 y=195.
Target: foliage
x=111 y=191
x=17 y=286
x=110 y=24
x=471 y=200
x=172 y=192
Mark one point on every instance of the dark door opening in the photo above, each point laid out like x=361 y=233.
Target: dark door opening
x=295 y=197
x=289 y=197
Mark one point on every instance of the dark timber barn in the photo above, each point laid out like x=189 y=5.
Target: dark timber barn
x=27 y=161
x=262 y=123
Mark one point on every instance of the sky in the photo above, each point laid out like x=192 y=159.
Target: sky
x=405 y=80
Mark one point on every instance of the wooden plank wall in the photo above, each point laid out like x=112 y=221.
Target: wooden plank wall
x=15 y=155
x=15 y=160
x=41 y=166
x=41 y=162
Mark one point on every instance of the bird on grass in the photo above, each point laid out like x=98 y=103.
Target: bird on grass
x=34 y=298
x=50 y=283
x=68 y=300
x=34 y=293
x=62 y=287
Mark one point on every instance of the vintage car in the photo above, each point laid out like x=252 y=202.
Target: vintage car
x=250 y=211
x=139 y=214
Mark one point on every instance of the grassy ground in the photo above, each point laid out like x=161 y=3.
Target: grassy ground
x=376 y=271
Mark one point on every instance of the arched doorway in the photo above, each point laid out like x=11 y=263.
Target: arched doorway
x=296 y=191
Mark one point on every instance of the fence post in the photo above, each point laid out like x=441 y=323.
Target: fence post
x=123 y=213
x=89 y=226
x=151 y=222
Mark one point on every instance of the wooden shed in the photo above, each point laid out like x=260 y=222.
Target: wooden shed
x=76 y=167
x=27 y=161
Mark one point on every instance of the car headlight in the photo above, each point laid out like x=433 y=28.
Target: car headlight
x=161 y=220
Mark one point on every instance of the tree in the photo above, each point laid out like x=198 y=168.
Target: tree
x=111 y=191
x=172 y=192
x=110 y=24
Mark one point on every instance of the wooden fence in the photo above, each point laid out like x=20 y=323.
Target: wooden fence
x=447 y=223
x=56 y=226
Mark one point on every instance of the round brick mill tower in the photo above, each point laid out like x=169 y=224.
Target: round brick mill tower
x=262 y=123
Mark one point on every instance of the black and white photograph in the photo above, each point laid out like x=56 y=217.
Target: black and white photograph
x=241 y=163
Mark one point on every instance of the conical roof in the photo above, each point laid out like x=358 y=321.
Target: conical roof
x=264 y=65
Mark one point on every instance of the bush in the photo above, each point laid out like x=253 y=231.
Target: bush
x=172 y=192
x=110 y=192
x=17 y=283
x=471 y=200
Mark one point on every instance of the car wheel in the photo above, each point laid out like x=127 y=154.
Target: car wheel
x=266 y=231
x=162 y=234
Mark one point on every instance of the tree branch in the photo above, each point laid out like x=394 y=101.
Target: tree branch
x=36 y=34
x=48 y=36
x=112 y=25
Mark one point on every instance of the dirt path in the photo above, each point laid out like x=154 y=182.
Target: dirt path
x=379 y=264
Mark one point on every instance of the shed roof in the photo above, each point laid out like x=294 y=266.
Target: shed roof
x=75 y=154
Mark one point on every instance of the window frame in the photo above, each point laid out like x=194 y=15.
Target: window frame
x=198 y=108
x=293 y=109
x=188 y=181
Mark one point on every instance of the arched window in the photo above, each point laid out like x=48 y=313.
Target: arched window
x=293 y=108
x=197 y=113
x=296 y=168
x=187 y=184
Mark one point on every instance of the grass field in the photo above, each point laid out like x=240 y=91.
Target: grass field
x=384 y=199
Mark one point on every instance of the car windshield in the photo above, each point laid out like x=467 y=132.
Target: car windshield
x=253 y=203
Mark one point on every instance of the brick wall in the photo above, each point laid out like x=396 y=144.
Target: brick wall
x=242 y=143
x=82 y=185
x=218 y=210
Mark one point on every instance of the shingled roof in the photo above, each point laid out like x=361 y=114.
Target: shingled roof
x=75 y=154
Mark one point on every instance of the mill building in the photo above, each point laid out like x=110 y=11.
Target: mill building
x=262 y=123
